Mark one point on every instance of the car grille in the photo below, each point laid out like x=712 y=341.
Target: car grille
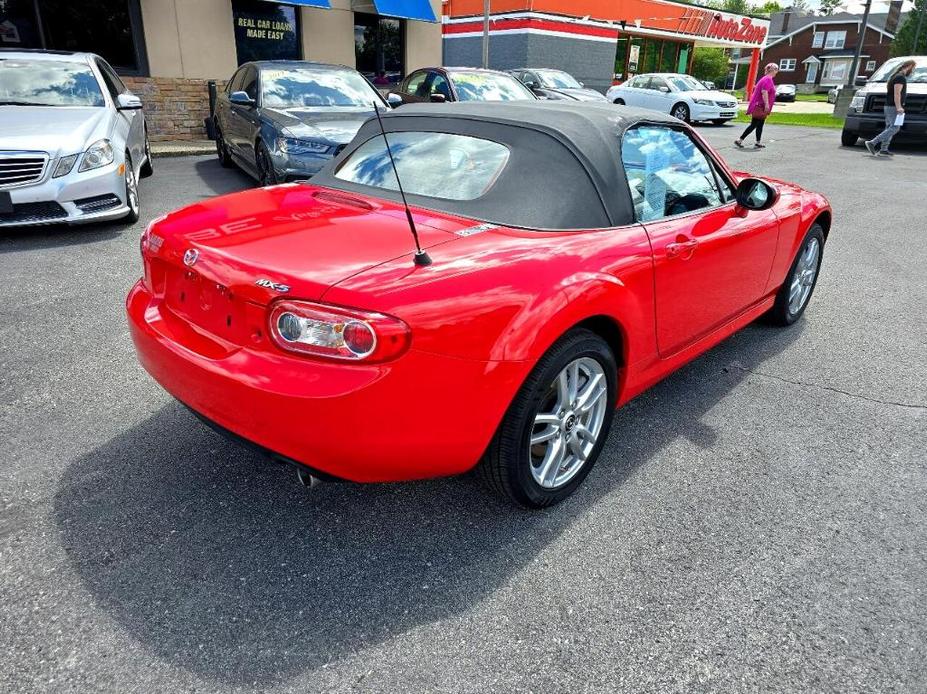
x=31 y=212
x=17 y=169
x=726 y=104
x=914 y=103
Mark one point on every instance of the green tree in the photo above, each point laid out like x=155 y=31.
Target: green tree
x=828 y=7
x=904 y=39
x=800 y=6
x=771 y=7
x=710 y=64
x=736 y=6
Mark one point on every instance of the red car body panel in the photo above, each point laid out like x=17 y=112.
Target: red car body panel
x=481 y=315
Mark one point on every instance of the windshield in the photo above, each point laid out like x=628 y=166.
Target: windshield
x=885 y=72
x=489 y=86
x=308 y=88
x=438 y=165
x=555 y=79
x=684 y=83
x=48 y=83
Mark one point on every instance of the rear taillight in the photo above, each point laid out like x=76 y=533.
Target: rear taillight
x=334 y=332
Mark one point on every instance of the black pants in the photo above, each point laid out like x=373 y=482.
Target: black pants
x=755 y=124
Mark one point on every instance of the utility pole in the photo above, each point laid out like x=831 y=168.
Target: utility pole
x=920 y=23
x=485 y=34
x=851 y=78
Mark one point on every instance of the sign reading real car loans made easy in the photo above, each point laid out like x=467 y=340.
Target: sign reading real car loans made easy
x=265 y=31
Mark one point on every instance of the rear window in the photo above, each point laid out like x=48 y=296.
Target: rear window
x=436 y=165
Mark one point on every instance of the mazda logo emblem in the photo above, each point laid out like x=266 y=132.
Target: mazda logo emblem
x=190 y=257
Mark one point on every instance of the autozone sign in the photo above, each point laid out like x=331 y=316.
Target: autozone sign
x=725 y=27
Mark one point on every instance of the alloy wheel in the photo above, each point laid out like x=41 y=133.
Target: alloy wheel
x=681 y=112
x=131 y=189
x=568 y=423
x=805 y=273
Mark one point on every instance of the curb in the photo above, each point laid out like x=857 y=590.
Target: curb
x=162 y=150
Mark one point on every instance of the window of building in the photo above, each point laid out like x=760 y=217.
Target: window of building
x=835 y=71
x=870 y=65
x=788 y=64
x=818 y=39
x=110 y=28
x=835 y=39
x=379 y=48
x=265 y=31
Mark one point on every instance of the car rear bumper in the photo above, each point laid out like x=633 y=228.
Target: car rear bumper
x=422 y=415
x=78 y=198
x=871 y=124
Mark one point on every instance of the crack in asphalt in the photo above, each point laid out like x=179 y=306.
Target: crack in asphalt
x=831 y=389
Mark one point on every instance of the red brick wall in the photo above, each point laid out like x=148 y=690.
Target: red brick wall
x=174 y=107
x=800 y=48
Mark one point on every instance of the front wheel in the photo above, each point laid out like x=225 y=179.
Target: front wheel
x=619 y=102
x=848 y=138
x=680 y=111
x=265 y=166
x=796 y=291
x=132 y=199
x=557 y=424
x=148 y=167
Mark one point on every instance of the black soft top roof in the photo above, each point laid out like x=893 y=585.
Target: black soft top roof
x=564 y=169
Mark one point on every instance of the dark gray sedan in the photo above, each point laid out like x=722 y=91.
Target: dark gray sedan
x=283 y=121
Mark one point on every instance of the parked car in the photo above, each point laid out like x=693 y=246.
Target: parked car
x=284 y=120
x=73 y=140
x=785 y=92
x=555 y=84
x=441 y=84
x=833 y=93
x=866 y=113
x=578 y=254
x=709 y=84
x=682 y=96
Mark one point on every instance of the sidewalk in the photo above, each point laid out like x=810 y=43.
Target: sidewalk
x=182 y=148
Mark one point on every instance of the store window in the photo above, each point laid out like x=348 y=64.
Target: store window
x=379 y=48
x=265 y=31
x=110 y=28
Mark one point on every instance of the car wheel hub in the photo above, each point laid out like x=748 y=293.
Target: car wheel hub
x=805 y=273
x=568 y=423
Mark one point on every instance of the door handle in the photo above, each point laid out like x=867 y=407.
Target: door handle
x=683 y=249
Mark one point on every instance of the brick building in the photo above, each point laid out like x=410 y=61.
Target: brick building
x=167 y=50
x=816 y=53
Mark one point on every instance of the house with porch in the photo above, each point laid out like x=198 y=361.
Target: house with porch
x=815 y=53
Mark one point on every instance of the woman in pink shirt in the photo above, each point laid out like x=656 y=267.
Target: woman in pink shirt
x=761 y=103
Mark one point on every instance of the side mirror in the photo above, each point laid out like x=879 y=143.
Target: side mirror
x=531 y=84
x=665 y=90
x=128 y=102
x=754 y=194
x=582 y=84
x=394 y=100
x=860 y=80
x=437 y=98
x=241 y=99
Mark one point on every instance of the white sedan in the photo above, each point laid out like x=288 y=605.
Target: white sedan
x=679 y=95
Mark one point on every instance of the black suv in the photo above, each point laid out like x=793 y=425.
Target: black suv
x=866 y=115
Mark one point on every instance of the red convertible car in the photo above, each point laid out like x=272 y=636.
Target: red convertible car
x=579 y=254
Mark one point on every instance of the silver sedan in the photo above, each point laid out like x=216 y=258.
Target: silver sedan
x=73 y=140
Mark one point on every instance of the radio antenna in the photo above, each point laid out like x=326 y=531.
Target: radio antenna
x=421 y=257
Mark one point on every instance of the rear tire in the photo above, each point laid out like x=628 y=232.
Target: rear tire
x=222 y=151
x=795 y=293
x=571 y=395
x=680 y=111
x=848 y=138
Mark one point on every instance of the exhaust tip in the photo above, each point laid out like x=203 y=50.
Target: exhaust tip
x=307 y=479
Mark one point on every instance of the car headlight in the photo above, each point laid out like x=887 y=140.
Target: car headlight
x=100 y=153
x=856 y=103
x=704 y=102
x=65 y=164
x=293 y=145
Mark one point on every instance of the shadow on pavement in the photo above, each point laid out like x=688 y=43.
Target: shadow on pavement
x=221 y=181
x=57 y=235
x=217 y=561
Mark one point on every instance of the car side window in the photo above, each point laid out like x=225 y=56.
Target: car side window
x=114 y=85
x=667 y=173
x=416 y=82
x=249 y=83
x=657 y=82
x=234 y=84
x=439 y=85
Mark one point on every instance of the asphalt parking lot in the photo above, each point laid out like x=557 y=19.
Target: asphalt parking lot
x=758 y=521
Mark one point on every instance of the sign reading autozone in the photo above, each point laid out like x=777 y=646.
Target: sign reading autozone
x=725 y=27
